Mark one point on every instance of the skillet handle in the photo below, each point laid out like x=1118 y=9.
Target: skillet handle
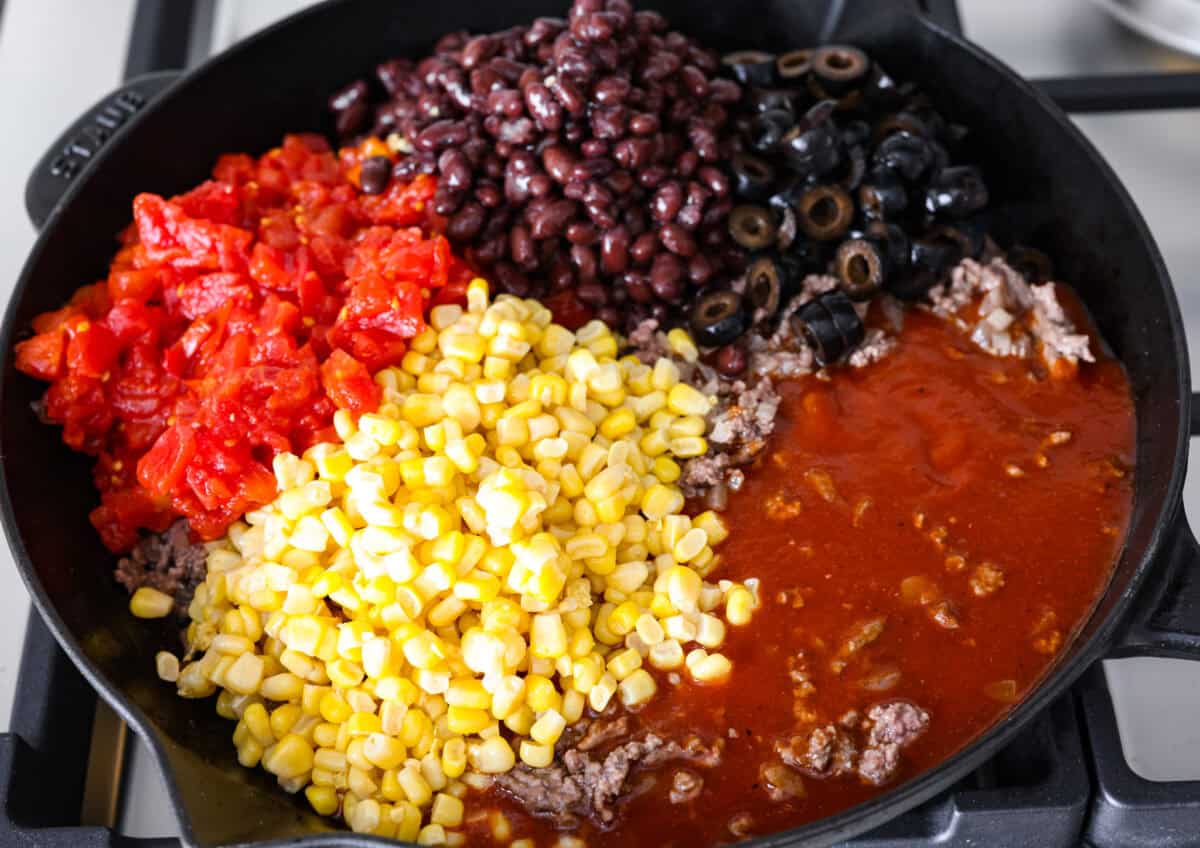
x=1165 y=620
x=71 y=154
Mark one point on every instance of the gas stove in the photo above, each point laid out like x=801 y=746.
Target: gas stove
x=1114 y=763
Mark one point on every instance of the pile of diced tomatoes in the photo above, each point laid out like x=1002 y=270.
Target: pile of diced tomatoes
x=234 y=321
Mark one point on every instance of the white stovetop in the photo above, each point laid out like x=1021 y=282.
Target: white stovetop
x=58 y=56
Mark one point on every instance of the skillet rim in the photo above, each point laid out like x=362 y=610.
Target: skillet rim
x=852 y=821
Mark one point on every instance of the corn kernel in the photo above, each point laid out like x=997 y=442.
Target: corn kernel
x=150 y=603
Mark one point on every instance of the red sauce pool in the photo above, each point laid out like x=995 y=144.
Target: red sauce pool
x=956 y=453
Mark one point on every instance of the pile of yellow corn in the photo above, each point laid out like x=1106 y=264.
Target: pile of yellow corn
x=502 y=543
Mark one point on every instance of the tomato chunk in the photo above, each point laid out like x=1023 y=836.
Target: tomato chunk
x=234 y=321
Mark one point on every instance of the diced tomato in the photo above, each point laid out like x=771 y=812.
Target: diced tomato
x=234 y=321
x=349 y=384
x=43 y=355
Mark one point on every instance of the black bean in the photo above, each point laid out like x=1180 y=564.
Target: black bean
x=455 y=170
x=488 y=194
x=540 y=185
x=690 y=216
x=594 y=148
x=584 y=260
x=666 y=276
x=633 y=152
x=344 y=98
x=731 y=360
x=591 y=169
x=644 y=124
x=509 y=279
x=652 y=176
x=667 y=202
x=677 y=240
x=351 y=119
x=521 y=247
x=610 y=314
x=700 y=269
x=638 y=287
x=569 y=96
x=688 y=163
x=581 y=232
x=593 y=294
x=611 y=91
x=477 y=50
x=643 y=248
x=375 y=174
x=543 y=107
x=558 y=163
x=441 y=134
x=552 y=219
x=614 y=250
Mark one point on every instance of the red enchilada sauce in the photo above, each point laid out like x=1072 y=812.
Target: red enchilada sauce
x=930 y=530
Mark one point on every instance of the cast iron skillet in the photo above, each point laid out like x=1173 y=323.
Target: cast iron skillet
x=1050 y=186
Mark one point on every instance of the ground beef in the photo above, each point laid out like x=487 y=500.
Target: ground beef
x=686 y=786
x=892 y=726
x=1054 y=330
x=578 y=785
x=743 y=419
x=876 y=344
x=601 y=732
x=826 y=751
x=169 y=562
x=873 y=753
x=647 y=343
x=1014 y=318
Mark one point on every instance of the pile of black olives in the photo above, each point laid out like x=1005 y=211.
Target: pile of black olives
x=838 y=169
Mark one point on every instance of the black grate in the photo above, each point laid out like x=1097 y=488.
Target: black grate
x=1063 y=782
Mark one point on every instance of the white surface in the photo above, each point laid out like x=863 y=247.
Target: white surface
x=1154 y=154
x=56 y=58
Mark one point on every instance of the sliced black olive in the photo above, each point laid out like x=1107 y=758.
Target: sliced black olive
x=807 y=257
x=905 y=154
x=881 y=91
x=855 y=133
x=825 y=212
x=830 y=326
x=766 y=99
x=794 y=64
x=375 y=174
x=895 y=244
x=812 y=151
x=882 y=195
x=765 y=283
x=1031 y=262
x=970 y=235
x=840 y=68
x=854 y=168
x=751 y=67
x=820 y=112
x=861 y=265
x=935 y=255
x=719 y=317
x=813 y=323
x=767 y=130
x=930 y=260
x=752 y=226
x=845 y=317
x=753 y=177
x=899 y=122
x=787 y=192
x=957 y=191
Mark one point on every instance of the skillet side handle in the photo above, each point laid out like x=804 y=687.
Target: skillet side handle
x=69 y=157
x=1165 y=620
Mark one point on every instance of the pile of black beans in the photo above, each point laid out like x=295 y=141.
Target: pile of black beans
x=838 y=168
x=581 y=160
